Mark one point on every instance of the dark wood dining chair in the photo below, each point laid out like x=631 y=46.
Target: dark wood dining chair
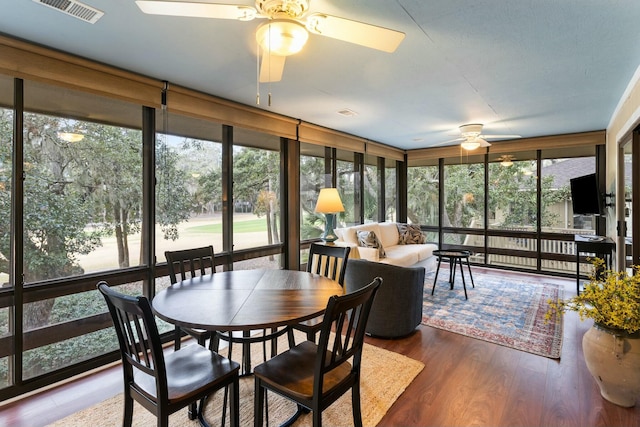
x=329 y=261
x=184 y=264
x=164 y=384
x=316 y=375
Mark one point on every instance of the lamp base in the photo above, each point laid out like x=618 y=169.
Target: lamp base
x=329 y=235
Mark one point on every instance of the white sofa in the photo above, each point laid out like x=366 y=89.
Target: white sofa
x=412 y=255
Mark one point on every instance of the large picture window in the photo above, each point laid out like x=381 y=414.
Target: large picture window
x=82 y=205
x=312 y=179
x=464 y=193
x=348 y=182
x=513 y=209
x=557 y=213
x=83 y=185
x=422 y=194
x=423 y=200
x=256 y=190
x=189 y=184
x=371 y=190
x=391 y=189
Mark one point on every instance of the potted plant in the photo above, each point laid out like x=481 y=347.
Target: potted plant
x=611 y=346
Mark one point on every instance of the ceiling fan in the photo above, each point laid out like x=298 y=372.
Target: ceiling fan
x=506 y=160
x=286 y=30
x=473 y=138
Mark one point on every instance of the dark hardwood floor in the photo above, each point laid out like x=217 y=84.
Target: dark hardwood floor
x=466 y=382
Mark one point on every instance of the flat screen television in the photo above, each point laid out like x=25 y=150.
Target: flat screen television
x=585 y=195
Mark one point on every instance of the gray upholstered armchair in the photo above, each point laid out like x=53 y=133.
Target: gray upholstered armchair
x=397 y=308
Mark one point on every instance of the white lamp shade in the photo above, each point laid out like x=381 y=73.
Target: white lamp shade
x=329 y=201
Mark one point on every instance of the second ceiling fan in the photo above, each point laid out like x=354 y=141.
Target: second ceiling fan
x=472 y=137
x=287 y=28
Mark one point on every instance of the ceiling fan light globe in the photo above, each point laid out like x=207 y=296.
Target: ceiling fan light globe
x=282 y=37
x=470 y=145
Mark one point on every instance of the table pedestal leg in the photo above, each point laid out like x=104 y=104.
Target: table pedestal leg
x=246 y=354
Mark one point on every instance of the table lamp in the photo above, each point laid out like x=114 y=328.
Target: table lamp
x=329 y=204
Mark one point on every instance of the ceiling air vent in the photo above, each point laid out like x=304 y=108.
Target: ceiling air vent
x=74 y=8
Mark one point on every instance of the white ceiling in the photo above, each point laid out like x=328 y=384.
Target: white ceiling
x=526 y=67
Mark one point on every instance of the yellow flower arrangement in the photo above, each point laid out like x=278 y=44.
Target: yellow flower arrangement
x=610 y=298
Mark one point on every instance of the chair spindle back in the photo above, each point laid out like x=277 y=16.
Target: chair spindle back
x=192 y=261
x=328 y=261
x=347 y=316
x=137 y=332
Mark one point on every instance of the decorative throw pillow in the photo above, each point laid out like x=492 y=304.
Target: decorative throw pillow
x=410 y=234
x=368 y=239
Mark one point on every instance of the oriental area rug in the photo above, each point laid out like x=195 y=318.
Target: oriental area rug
x=384 y=377
x=500 y=310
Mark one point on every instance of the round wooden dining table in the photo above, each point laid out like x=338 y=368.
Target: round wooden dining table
x=245 y=300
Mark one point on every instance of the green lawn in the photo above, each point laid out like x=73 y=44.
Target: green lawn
x=250 y=226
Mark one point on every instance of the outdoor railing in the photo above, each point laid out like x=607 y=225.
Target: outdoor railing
x=521 y=251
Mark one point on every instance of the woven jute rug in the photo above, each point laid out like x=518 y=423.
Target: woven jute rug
x=385 y=375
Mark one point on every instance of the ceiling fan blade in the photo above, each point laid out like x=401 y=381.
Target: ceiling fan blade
x=451 y=140
x=368 y=35
x=500 y=136
x=197 y=10
x=438 y=144
x=271 y=68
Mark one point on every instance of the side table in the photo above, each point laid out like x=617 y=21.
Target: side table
x=601 y=247
x=455 y=258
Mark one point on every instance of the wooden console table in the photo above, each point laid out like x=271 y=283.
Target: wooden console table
x=601 y=247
